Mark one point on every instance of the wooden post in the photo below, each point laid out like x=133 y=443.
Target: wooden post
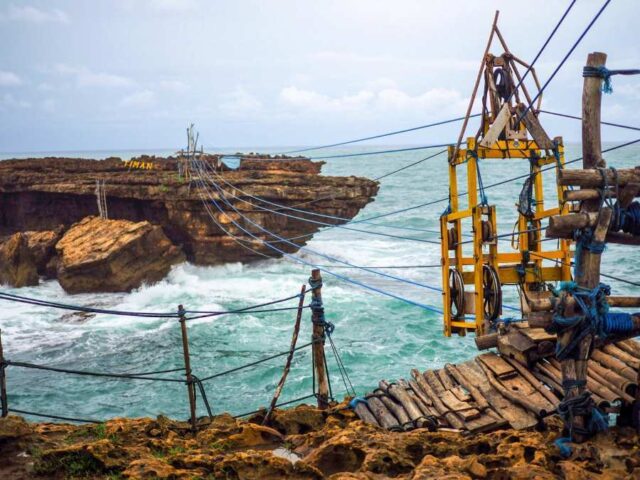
x=318 y=338
x=588 y=268
x=187 y=367
x=3 y=382
x=287 y=366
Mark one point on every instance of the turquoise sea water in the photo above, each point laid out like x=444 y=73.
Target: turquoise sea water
x=378 y=337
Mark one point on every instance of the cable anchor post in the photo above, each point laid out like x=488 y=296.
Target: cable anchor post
x=3 y=382
x=318 y=339
x=187 y=367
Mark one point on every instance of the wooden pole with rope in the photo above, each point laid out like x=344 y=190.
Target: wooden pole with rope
x=191 y=388
x=318 y=339
x=587 y=275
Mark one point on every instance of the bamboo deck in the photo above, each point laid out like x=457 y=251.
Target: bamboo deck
x=497 y=390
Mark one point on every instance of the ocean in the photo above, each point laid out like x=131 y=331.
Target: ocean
x=378 y=337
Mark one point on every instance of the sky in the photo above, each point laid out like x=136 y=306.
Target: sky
x=132 y=74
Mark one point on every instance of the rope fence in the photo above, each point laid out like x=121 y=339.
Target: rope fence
x=195 y=384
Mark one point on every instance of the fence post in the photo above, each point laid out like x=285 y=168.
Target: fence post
x=3 y=382
x=187 y=367
x=318 y=338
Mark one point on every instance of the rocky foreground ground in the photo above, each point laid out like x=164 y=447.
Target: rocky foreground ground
x=302 y=443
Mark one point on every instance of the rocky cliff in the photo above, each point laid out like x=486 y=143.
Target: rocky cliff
x=303 y=443
x=44 y=193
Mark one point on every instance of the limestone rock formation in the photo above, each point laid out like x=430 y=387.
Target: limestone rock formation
x=41 y=194
x=113 y=255
x=330 y=444
x=17 y=263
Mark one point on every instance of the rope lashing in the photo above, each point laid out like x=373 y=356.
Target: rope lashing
x=626 y=219
x=580 y=406
x=318 y=309
x=593 y=317
x=585 y=241
x=618 y=322
x=605 y=74
x=593 y=305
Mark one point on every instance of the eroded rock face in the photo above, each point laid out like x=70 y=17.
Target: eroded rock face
x=113 y=255
x=40 y=194
x=17 y=263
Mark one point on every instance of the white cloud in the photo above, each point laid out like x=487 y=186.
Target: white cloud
x=375 y=100
x=48 y=105
x=86 y=78
x=9 y=79
x=173 y=5
x=45 y=87
x=631 y=90
x=8 y=101
x=29 y=14
x=175 y=86
x=141 y=99
x=309 y=99
x=240 y=103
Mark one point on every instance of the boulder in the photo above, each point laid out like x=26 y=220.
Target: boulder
x=98 y=255
x=43 y=248
x=17 y=265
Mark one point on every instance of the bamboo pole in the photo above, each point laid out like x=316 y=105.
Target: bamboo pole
x=187 y=367
x=287 y=366
x=3 y=382
x=318 y=338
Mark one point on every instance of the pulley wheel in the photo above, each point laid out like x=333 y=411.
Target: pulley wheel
x=456 y=293
x=492 y=300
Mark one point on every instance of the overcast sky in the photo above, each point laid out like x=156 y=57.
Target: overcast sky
x=124 y=74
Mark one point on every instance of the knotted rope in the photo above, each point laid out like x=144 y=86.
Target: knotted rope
x=605 y=74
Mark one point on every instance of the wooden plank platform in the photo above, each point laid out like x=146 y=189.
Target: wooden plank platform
x=496 y=390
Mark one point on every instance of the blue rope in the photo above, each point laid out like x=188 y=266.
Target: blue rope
x=563 y=61
x=584 y=241
x=328 y=257
x=329 y=272
x=618 y=322
x=323 y=215
x=381 y=152
x=356 y=400
x=579 y=406
x=626 y=219
x=373 y=137
x=594 y=317
x=605 y=74
x=544 y=46
x=325 y=224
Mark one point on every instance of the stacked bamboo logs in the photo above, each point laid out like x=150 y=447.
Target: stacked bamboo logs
x=494 y=391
